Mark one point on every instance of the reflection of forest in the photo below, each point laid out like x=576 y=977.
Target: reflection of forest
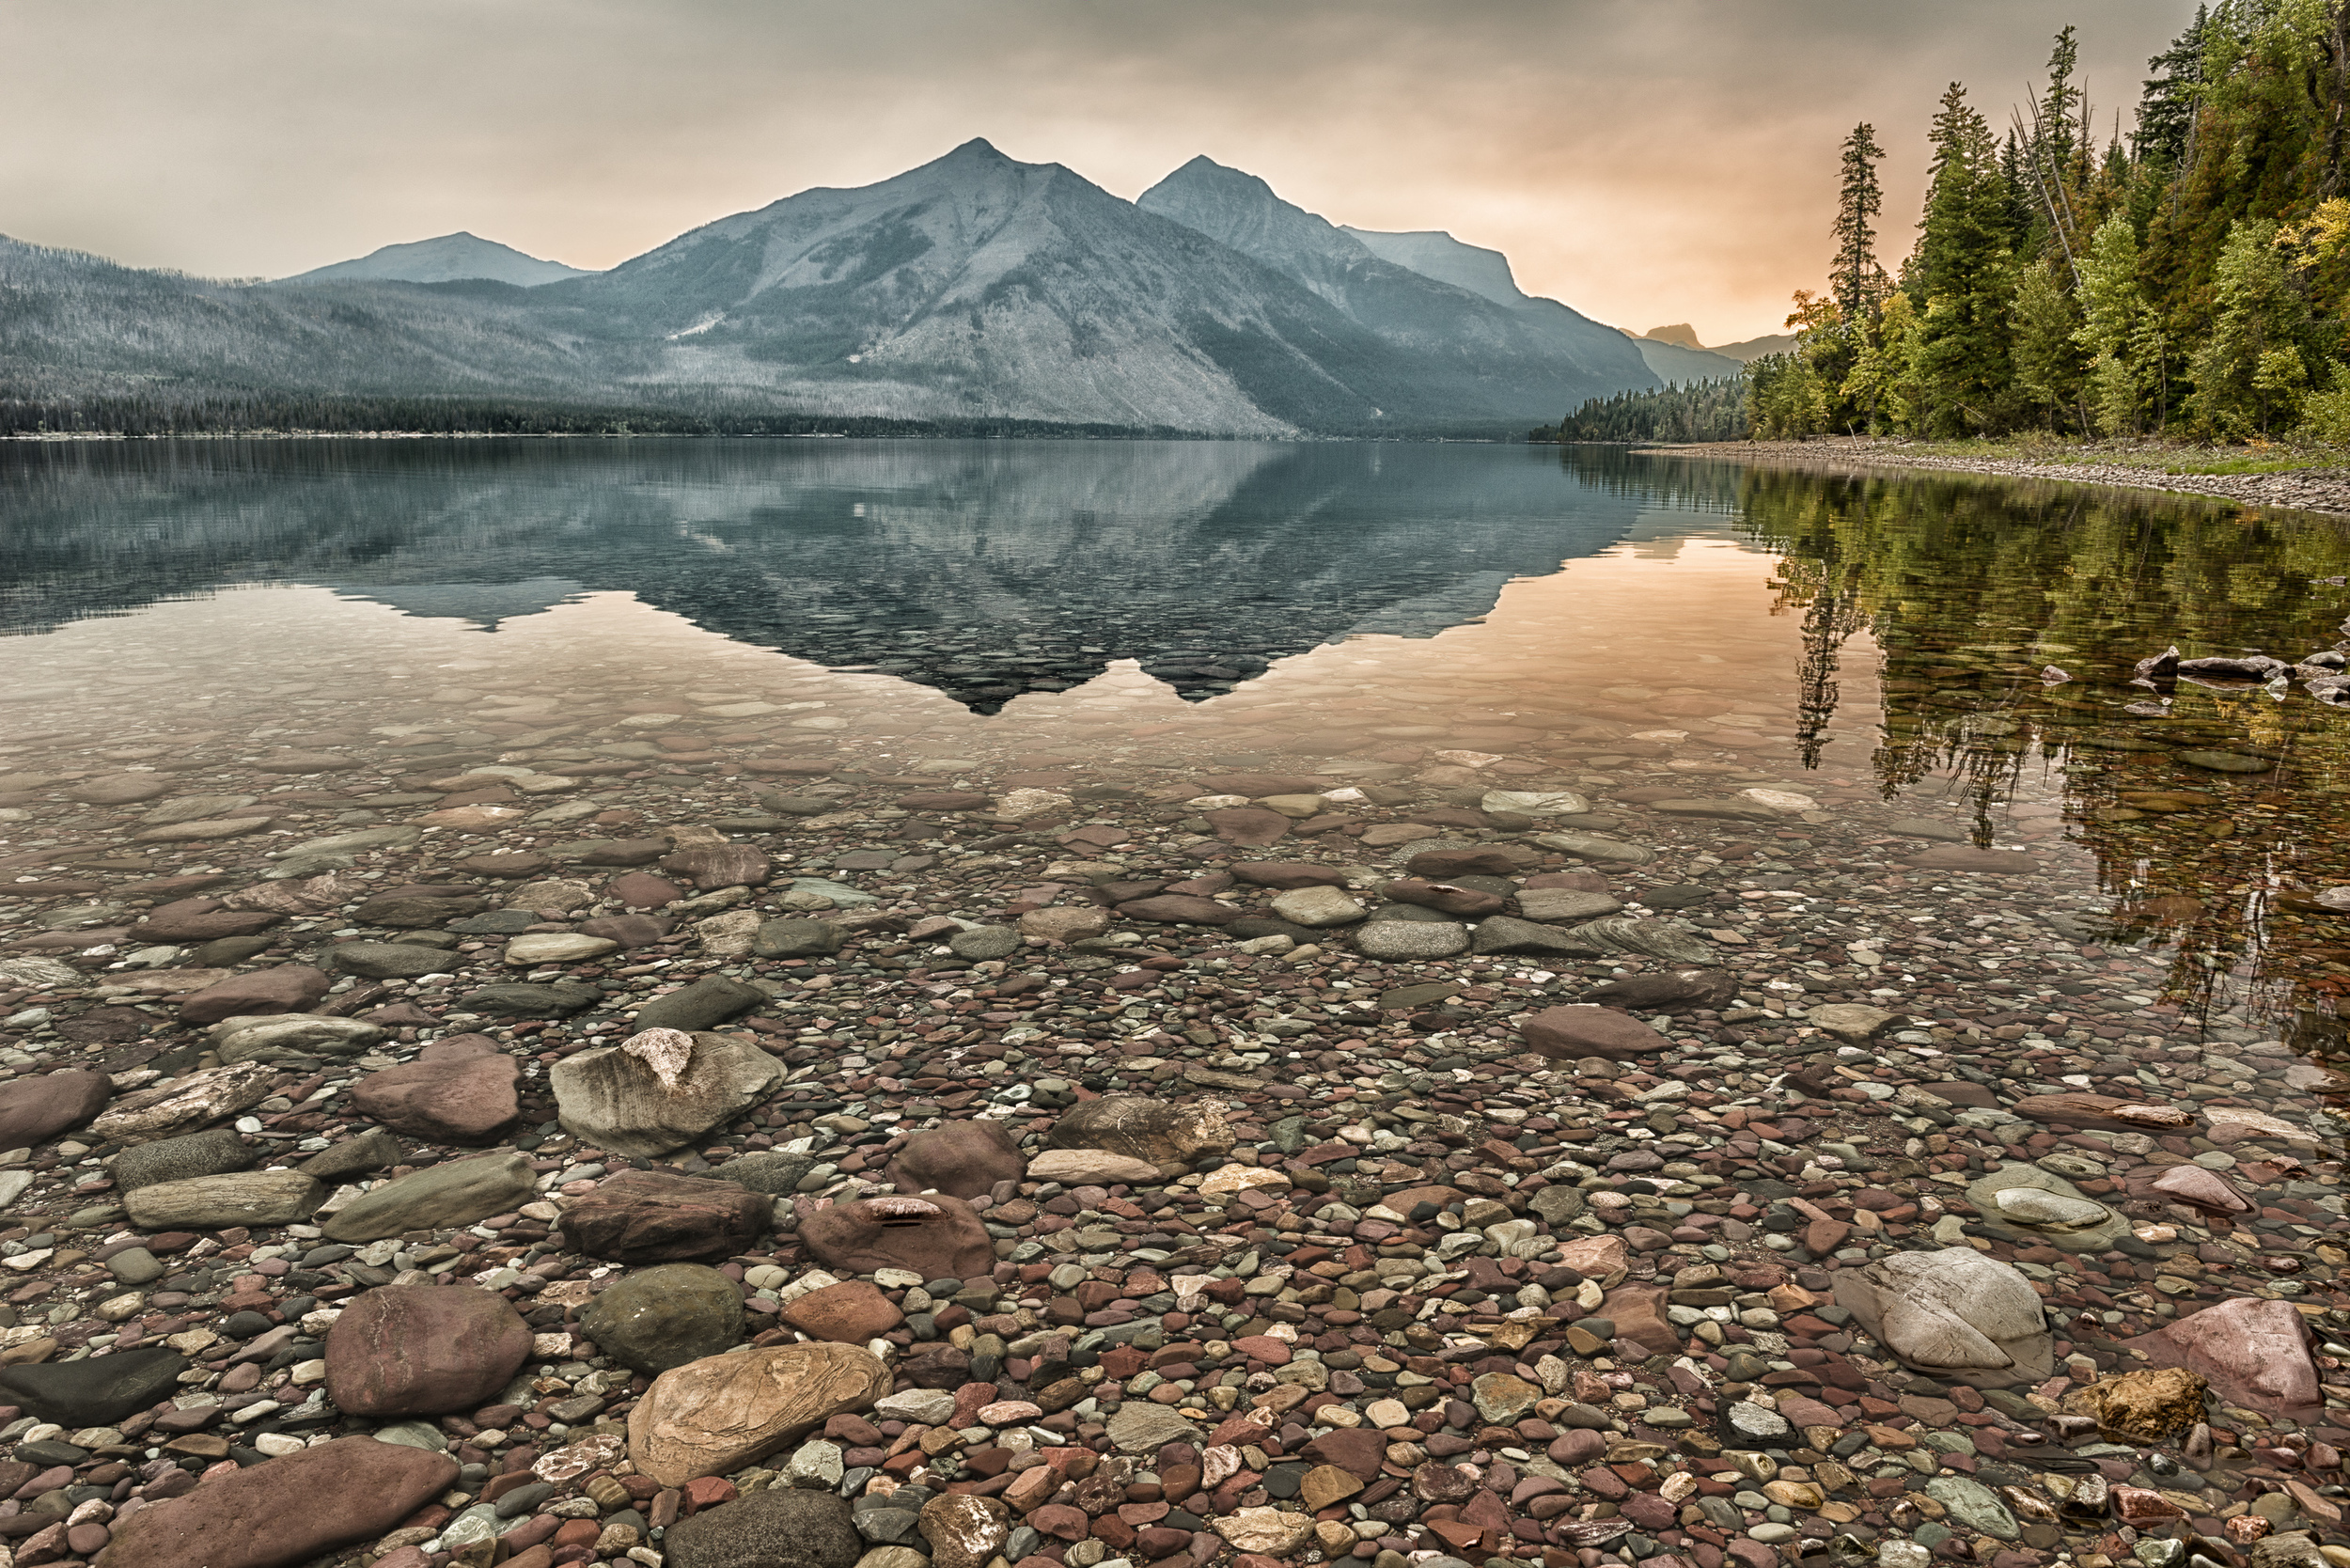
x=2216 y=811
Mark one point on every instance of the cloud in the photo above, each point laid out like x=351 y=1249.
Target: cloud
x=1666 y=159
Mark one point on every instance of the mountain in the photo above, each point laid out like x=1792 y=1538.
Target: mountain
x=1755 y=348
x=1432 y=252
x=972 y=289
x=1493 y=352
x=447 y=259
x=1671 y=362
x=1680 y=335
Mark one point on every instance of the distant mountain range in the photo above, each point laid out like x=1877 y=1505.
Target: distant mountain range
x=450 y=259
x=1675 y=353
x=972 y=287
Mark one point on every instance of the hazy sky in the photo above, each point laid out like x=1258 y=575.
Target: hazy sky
x=1646 y=161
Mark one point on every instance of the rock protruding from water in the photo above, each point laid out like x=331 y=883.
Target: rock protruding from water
x=658 y=1089
x=1952 y=1313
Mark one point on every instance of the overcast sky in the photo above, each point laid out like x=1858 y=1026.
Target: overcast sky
x=1646 y=161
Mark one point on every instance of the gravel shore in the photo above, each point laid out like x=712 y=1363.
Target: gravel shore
x=2325 y=490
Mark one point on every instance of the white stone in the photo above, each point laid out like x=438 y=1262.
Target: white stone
x=1536 y=803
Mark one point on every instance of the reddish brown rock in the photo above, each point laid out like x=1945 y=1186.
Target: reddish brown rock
x=650 y=1216
x=34 y=1111
x=272 y=1515
x=2202 y=1188
x=937 y=1236
x=723 y=1412
x=644 y=890
x=459 y=1093
x=1465 y=901
x=1585 y=1030
x=1163 y=1133
x=424 y=1350
x=1286 y=876
x=1256 y=786
x=1638 y=1314
x=1169 y=909
x=1252 y=826
x=1443 y=864
x=851 y=1312
x=710 y=867
x=287 y=988
x=1359 y=1450
x=962 y=1159
x=629 y=931
x=200 y=920
x=2255 y=1352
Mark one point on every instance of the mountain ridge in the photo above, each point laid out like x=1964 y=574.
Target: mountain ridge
x=972 y=288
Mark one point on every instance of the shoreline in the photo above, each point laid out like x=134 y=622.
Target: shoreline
x=2307 y=490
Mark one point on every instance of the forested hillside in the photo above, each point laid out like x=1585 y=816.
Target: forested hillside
x=2188 y=277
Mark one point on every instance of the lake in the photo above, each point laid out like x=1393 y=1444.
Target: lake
x=1349 y=610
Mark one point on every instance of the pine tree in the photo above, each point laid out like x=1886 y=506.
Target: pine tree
x=1857 y=276
x=2165 y=109
x=1962 y=277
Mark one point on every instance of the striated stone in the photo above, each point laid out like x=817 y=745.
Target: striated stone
x=355 y=1156
x=555 y=947
x=1952 y=1313
x=246 y=1038
x=1565 y=903
x=774 y=1173
x=1179 y=909
x=2202 y=1188
x=1161 y=1132
x=270 y=1515
x=183 y=1104
x=1265 y=1532
x=455 y=1192
x=1506 y=933
x=424 y=1350
x=1091 y=1167
x=658 y=1089
x=208 y=1202
x=962 y=1159
x=654 y=1319
x=721 y=1413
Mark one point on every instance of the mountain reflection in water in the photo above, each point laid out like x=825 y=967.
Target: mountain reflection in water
x=984 y=568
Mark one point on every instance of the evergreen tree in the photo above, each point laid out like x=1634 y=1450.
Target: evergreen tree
x=1858 y=283
x=1962 y=277
x=2165 y=109
x=2047 y=357
x=2251 y=374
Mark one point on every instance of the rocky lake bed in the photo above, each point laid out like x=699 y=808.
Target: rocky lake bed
x=701 y=1144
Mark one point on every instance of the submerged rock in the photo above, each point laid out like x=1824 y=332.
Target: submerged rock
x=1952 y=1313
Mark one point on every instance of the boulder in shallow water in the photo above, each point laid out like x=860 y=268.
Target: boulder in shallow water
x=1953 y=1314
x=935 y=1236
x=658 y=1089
x=960 y=1158
x=2255 y=1352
